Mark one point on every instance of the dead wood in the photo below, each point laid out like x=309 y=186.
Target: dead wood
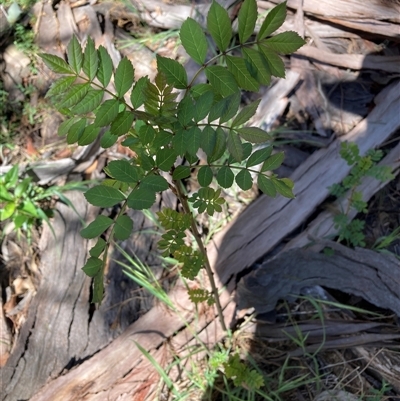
x=352 y=61
x=374 y=277
x=266 y=221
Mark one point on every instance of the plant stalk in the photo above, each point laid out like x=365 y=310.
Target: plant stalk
x=182 y=198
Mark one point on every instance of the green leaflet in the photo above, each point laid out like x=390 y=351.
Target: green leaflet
x=124 y=77
x=137 y=94
x=174 y=72
x=154 y=183
x=285 y=42
x=244 y=180
x=259 y=156
x=203 y=106
x=219 y=26
x=194 y=40
x=123 y=171
x=284 y=186
x=92 y=266
x=186 y=110
x=225 y=177
x=247 y=19
x=253 y=134
x=75 y=131
x=237 y=66
x=122 y=123
x=165 y=159
x=273 y=162
x=246 y=113
x=235 y=146
x=89 y=103
x=103 y=196
x=208 y=140
x=205 y=176
x=74 y=95
x=56 y=64
x=60 y=86
x=275 y=63
x=181 y=172
x=123 y=227
x=257 y=65
x=98 y=249
x=97 y=227
x=274 y=19
x=74 y=53
x=90 y=60
x=141 y=198
x=108 y=140
x=105 y=67
x=147 y=134
x=222 y=80
x=89 y=135
x=266 y=186
x=193 y=140
x=98 y=286
x=66 y=125
x=107 y=112
x=226 y=108
x=220 y=145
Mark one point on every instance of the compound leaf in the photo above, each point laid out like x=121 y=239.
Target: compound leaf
x=174 y=72
x=222 y=80
x=123 y=227
x=124 y=77
x=247 y=19
x=219 y=25
x=104 y=196
x=97 y=227
x=194 y=40
x=90 y=59
x=105 y=67
x=274 y=19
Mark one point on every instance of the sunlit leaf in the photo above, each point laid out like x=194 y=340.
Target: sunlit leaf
x=194 y=40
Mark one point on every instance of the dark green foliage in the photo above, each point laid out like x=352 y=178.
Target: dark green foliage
x=162 y=129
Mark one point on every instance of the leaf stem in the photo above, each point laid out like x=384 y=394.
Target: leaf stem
x=182 y=198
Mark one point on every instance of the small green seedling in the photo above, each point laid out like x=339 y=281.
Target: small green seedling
x=362 y=166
